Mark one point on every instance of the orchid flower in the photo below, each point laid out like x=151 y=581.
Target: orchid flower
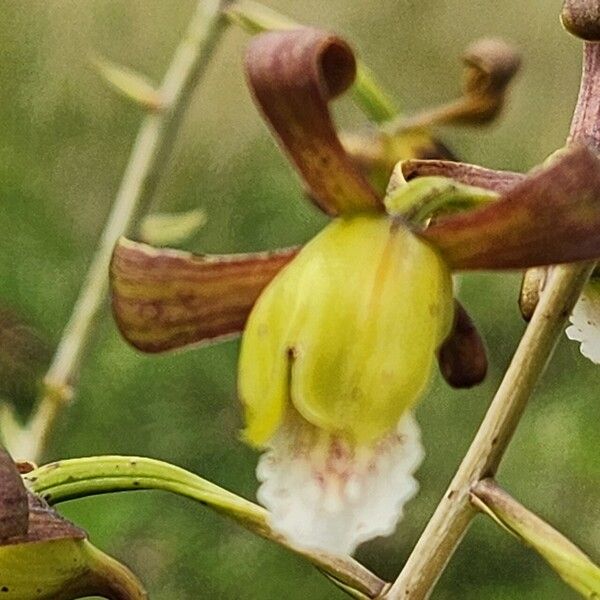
x=340 y=336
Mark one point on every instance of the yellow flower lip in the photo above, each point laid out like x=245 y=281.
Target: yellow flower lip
x=347 y=332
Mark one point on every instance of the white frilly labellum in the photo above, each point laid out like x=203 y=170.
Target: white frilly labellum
x=585 y=322
x=324 y=494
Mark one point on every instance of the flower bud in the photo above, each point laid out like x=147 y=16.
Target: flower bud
x=347 y=332
x=582 y=19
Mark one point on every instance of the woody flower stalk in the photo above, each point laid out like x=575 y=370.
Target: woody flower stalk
x=340 y=336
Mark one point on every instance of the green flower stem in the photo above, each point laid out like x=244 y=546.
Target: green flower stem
x=368 y=95
x=371 y=98
x=148 y=157
x=452 y=517
x=78 y=478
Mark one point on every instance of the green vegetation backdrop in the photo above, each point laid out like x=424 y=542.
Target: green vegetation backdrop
x=64 y=141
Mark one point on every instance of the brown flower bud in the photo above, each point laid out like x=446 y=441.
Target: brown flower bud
x=462 y=357
x=582 y=19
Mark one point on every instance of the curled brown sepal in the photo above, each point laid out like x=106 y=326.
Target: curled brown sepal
x=293 y=75
x=164 y=299
x=462 y=357
x=490 y=65
x=582 y=19
x=488 y=179
x=552 y=216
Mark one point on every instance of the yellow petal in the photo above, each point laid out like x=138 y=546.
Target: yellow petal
x=359 y=314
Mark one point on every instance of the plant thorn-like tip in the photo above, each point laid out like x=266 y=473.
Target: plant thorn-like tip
x=581 y=18
x=163 y=229
x=565 y=558
x=256 y=18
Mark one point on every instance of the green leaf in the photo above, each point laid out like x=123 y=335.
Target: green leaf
x=130 y=84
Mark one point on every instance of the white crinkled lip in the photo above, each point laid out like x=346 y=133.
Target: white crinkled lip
x=324 y=494
x=585 y=322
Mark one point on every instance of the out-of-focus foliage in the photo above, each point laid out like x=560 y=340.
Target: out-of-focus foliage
x=64 y=141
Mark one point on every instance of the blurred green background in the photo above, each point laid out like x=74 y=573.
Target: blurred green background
x=64 y=142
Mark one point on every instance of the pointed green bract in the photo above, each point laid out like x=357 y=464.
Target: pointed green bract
x=162 y=229
x=130 y=84
x=347 y=332
x=571 y=564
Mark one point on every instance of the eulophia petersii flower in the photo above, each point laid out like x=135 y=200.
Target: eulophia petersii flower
x=340 y=336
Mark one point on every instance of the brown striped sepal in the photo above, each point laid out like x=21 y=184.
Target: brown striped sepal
x=552 y=216
x=164 y=299
x=488 y=179
x=293 y=75
x=24 y=517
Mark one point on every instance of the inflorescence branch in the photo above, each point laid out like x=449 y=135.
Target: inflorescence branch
x=455 y=512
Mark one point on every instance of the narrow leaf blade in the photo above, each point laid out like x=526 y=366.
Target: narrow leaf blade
x=130 y=84
x=162 y=229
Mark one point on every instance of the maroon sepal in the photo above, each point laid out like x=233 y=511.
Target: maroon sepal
x=488 y=179
x=551 y=217
x=293 y=75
